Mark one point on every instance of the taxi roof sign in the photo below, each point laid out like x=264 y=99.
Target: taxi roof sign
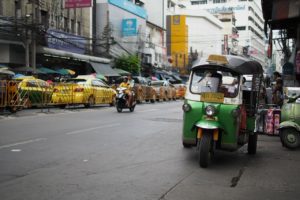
x=217 y=59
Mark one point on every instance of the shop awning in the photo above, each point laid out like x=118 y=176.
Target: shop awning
x=66 y=54
x=122 y=72
x=104 y=69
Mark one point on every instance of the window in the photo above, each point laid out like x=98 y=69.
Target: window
x=72 y=25
x=171 y=4
x=66 y=24
x=225 y=20
x=199 y=2
x=78 y=28
x=241 y=28
x=1 y=7
x=57 y=22
x=219 y=1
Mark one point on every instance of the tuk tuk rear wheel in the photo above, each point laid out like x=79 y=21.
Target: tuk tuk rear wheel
x=205 y=150
x=290 y=138
x=252 y=143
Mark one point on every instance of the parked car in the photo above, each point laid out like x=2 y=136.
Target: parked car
x=180 y=90
x=143 y=90
x=164 y=90
x=83 y=90
x=34 y=92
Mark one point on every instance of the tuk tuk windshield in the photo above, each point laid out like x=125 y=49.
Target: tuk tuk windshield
x=214 y=81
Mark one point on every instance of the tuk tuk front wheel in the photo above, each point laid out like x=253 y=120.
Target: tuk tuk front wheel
x=290 y=138
x=252 y=143
x=205 y=150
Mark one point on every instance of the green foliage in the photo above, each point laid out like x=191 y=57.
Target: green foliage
x=129 y=63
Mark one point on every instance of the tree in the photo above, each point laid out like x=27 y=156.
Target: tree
x=130 y=63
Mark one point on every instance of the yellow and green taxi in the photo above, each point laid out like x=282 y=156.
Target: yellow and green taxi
x=85 y=90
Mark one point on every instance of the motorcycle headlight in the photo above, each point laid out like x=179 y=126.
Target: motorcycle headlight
x=186 y=107
x=210 y=110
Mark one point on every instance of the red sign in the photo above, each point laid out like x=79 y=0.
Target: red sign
x=78 y=3
x=234 y=36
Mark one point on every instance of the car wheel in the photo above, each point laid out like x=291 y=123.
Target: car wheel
x=91 y=102
x=13 y=109
x=62 y=106
x=153 y=99
x=290 y=138
x=113 y=101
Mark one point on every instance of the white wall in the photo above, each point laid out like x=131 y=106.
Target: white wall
x=207 y=39
x=205 y=31
x=155 y=11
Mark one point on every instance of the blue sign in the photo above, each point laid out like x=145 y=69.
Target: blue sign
x=129 y=27
x=65 y=41
x=130 y=7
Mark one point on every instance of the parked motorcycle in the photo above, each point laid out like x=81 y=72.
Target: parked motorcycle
x=289 y=131
x=122 y=100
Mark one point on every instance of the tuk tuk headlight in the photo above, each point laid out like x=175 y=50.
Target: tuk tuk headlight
x=186 y=107
x=210 y=110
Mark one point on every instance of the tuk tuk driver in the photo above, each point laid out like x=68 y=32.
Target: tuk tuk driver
x=219 y=77
x=127 y=84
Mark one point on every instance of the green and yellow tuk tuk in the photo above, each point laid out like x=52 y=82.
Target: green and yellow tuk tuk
x=219 y=112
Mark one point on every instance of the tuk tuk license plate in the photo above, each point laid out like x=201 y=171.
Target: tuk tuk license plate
x=212 y=97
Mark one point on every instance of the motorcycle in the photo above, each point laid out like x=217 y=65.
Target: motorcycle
x=289 y=131
x=122 y=100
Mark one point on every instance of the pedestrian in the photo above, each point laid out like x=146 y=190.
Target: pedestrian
x=277 y=95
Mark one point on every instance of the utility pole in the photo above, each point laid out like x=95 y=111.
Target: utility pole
x=26 y=42
x=108 y=35
x=94 y=25
x=33 y=35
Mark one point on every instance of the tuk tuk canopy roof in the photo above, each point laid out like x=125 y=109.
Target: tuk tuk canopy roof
x=236 y=64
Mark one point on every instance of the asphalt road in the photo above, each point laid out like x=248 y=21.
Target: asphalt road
x=96 y=154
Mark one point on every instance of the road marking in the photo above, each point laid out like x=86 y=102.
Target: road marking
x=91 y=129
x=21 y=143
x=16 y=150
x=150 y=110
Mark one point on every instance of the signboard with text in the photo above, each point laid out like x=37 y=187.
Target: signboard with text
x=78 y=3
x=65 y=41
x=129 y=27
x=130 y=7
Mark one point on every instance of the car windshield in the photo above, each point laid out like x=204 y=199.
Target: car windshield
x=78 y=81
x=157 y=83
x=214 y=81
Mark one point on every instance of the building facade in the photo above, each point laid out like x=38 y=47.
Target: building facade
x=121 y=27
x=249 y=23
x=187 y=40
x=34 y=32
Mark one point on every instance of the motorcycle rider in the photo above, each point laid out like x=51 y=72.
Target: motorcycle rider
x=128 y=83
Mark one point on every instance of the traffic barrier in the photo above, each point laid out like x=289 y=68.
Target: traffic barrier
x=9 y=95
